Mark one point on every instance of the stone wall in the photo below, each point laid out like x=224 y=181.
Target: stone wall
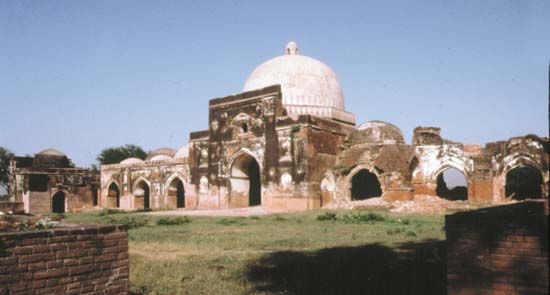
x=498 y=250
x=90 y=260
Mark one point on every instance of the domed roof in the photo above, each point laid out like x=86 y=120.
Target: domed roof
x=308 y=86
x=131 y=161
x=51 y=158
x=51 y=152
x=162 y=151
x=376 y=132
x=183 y=152
x=161 y=158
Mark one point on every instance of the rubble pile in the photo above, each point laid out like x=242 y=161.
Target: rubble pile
x=421 y=204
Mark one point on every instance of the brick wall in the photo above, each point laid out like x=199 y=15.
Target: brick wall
x=84 y=260
x=498 y=250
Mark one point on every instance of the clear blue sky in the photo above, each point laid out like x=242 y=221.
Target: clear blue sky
x=80 y=76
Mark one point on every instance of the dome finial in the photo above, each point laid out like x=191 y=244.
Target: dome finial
x=291 y=48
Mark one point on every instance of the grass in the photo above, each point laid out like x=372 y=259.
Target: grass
x=277 y=254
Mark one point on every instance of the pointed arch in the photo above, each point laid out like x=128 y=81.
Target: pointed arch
x=362 y=182
x=175 y=191
x=59 y=201
x=327 y=188
x=244 y=176
x=142 y=193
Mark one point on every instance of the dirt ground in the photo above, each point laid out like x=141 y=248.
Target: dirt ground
x=421 y=204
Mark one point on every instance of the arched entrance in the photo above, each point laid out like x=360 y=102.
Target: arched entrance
x=113 y=196
x=58 y=202
x=142 y=196
x=365 y=185
x=176 y=194
x=246 y=187
x=452 y=185
x=95 y=200
x=524 y=182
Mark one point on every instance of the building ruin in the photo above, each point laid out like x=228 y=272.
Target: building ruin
x=287 y=143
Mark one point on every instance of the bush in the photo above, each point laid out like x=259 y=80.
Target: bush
x=327 y=216
x=130 y=221
x=363 y=218
x=173 y=220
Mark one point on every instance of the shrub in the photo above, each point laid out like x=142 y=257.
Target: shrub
x=363 y=218
x=130 y=221
x=173 y=220
x=327 y=216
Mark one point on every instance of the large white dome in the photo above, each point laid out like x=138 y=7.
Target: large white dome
x=308 y=85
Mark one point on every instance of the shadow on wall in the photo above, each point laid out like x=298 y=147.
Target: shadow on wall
x=503 y=248
x=411 y=268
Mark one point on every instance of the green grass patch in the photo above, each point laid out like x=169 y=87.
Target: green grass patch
x=173 y=220
x=215 y=255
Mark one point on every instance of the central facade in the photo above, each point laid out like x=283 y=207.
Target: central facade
x=269 y=145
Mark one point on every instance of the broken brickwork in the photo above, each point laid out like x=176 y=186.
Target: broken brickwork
x=498 y=250
x=87 y=260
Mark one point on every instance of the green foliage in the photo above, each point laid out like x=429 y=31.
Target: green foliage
x=5 y=156
x=327 y=216
x=173 y=220
x=363 y=217
x=114 y=155
x=130 y=221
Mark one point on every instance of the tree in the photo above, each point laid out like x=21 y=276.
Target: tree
x=114 y=155
x=5 y=156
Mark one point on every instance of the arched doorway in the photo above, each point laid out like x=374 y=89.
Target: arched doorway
x=246 y=187
x=452 y=185
x=95 y=200
x=142 y=196
x=524 y=182
x=58 y=202
x=365 y=185
x=176 y=194
x=113 y=196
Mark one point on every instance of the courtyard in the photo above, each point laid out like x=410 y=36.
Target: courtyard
x=316 y=252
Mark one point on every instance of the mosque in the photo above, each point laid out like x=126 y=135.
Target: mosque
x=286 y=142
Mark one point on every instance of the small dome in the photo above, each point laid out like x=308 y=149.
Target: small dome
x=376 y=132
x=161 y=158
x=51 y=152
x=130 y=161
x=308 y=86
x=162 y=151
x=51 y=158
x=183 y=152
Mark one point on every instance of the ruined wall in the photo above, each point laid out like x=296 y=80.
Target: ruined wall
x=35 y=186
x=498 y=250
x=90 y=260
x=158 y=176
